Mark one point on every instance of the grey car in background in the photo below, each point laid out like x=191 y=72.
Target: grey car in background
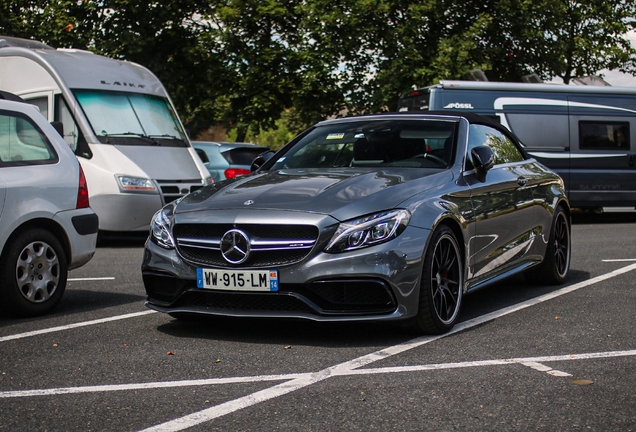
x=381 y=217
x=46 y=224
x=227 y=160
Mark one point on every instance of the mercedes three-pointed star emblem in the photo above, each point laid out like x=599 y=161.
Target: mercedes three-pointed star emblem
x=235 y=246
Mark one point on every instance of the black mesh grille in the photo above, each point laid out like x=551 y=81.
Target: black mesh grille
x=263 y=258
x=242 y=302
x=273 y=232
x=163 y=288
x=214 y=258
x=339 y=297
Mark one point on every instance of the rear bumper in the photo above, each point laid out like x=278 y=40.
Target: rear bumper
x=81 y=232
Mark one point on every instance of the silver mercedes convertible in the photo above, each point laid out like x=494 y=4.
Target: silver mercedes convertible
x=380 y=217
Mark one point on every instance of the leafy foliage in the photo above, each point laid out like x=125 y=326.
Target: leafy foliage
x=247 y=64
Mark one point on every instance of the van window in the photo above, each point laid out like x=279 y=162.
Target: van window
x=22 y=142
x=504 y=148
x=603 y=135
x=42 y=103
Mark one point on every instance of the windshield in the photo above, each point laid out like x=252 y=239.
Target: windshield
x=376 y=143
x=131 y=118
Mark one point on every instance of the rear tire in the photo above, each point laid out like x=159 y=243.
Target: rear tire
x=33 y=273
x=441 y=284
x=554 y=268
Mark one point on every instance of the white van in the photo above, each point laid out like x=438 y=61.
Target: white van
x=117 y=118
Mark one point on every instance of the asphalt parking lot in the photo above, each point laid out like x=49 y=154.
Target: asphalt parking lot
x=524 y=357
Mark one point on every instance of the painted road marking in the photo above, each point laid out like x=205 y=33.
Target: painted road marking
x=346 y=368
x=352 y=367
x=619 y=260
x=91 y=279
x=543 y=368
x=529 y=362
x=72 y=326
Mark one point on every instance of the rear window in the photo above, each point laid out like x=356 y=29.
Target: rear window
x=243 y=155
x=22 y=142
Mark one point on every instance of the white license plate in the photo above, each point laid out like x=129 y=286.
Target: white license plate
x=238 y=280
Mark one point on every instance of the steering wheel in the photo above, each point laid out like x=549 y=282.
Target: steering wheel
x=432 y=157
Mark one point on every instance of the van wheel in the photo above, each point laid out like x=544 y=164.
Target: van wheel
x=33 y=272
x=555 y=266
x=441 y=285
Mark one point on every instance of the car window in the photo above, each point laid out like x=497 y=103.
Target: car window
x=504 y=148
x=374 y=143
x=242 y=155
x=22 y=142
x=202 y=155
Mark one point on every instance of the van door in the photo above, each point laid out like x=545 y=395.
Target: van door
x=603 y=154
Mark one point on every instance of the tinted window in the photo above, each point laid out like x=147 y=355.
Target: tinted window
x=374 y=143
x=21 y=142
x=504 y=148
x=242 y=155
x=604 y=135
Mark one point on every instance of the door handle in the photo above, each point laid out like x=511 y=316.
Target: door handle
x=521 y=181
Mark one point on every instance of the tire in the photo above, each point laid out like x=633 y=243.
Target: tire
x=555 y=266
x=33 y=273
x=441 y=284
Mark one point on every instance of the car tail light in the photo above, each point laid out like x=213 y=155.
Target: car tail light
x=82 y=191
x=231 y=173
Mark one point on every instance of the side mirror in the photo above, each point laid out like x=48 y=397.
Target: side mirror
x=59 y=127
x=261 y=159
x=483 y=160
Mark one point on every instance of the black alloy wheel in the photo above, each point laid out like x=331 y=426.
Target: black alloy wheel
x=555 y=266
x=441 y=284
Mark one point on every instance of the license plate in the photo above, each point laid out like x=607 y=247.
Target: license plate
x=238 y=280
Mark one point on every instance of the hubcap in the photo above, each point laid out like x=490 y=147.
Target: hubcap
x=37 y=272
x=446 y=280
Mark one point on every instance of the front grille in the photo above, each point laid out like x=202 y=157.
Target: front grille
x=271 y=245
x=174 y=189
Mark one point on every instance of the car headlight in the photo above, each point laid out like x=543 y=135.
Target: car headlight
x=135 y=184
x=161 y=226
x=368 y=231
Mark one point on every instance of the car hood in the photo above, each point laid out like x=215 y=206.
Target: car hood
x=342 y=193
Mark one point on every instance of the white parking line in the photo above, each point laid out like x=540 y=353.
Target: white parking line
x=619 y=260
x=347 y=367
x=91 y=279
x=529 y=362
x=72 y=326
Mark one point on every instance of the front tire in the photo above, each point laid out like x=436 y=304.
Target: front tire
x=441 y=284
x=555 y=266
x=33 y=273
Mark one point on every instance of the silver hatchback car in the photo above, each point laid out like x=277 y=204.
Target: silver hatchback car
x=46 y=224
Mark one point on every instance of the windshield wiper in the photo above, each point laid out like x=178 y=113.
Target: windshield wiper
x=132 y=134
x=169 y=137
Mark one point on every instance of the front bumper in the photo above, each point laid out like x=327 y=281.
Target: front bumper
x=375 y=283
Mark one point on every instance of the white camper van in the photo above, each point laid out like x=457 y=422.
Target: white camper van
x=117 y=118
